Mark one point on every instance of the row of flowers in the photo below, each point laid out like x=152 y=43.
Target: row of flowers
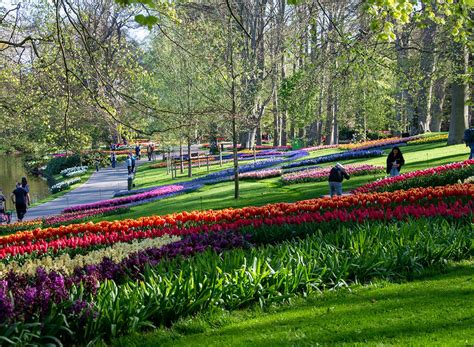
x=322 y=174
x=436 y=176
x=318 y=148
x=377 y=143
x=429 y=139
x=336 y=157
x=456 y=200
x=162 y=191
x=66 y=264
x=189 y=219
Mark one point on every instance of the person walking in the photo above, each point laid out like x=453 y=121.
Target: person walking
x=133 y=158
x=137 y=151
x=26 y=187
x=113 y=160
x=128 y=161
x=395 y=161
x=336 y=176
x=20 y=199
x=148 y=152
x=97 y=164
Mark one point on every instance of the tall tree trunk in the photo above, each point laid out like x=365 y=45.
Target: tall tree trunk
x=459 y=96
x=427 y=68
x=190 y=160
x=438 y=104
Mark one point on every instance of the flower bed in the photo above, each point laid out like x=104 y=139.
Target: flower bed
x=318 y=148
x=437 y=176
x=80 y=216
x=429 y=139
x=336 y=157
x=378 y=143
x=162 y=284
x=456 y=200
x=64 y=185
x=268 y=173
x=162 y=191
x=322 y=174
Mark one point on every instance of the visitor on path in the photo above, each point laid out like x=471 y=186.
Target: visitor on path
x=113 y=160
x=149 y=152
x=97 y=164
x=137 y=151
x=395 y=161
x=132 y=157
x=20 y=199
x=336 y=176
x=469 y=140
x=128 y=161
x=25 y=185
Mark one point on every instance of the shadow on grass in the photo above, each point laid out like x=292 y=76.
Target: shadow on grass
x=426 y=311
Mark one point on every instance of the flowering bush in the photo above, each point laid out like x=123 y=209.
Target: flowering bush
x=335 y=157
x=437 y=176
x=429 y=139
x=74 y=171
x=322 y=174
x=64 y=185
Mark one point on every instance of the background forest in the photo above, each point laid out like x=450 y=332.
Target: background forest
x=79 y=73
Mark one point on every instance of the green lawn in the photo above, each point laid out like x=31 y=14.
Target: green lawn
x=254 y=193
x=432 y=310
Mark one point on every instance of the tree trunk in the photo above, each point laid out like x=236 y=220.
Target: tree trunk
x=427 y=68
x=190 y=161
x=459 y=96
x=438 y=105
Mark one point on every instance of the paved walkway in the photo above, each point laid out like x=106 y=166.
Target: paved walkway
x=100 y=186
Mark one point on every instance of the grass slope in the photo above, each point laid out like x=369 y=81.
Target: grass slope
x=255 y=193
x=433 y=310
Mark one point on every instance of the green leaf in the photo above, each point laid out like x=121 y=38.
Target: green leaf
x=147 y=21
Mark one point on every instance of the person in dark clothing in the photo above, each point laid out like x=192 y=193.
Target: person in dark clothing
x=20 y=199
x=395 y=161
x=132 y=157
x=336 y=176
x=113 y=160
x=137 y=151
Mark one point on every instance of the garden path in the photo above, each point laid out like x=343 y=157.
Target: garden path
x=101 y=185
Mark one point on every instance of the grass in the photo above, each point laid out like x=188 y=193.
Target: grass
x=435 y=309
x=261 y=192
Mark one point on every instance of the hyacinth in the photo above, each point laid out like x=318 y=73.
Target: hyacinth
x=335 y=157
x=321 y=174
x=261 y=174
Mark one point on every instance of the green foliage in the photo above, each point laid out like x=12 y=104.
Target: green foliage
x=238 y=278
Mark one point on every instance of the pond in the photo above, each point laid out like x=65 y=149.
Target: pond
x=12 y=170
